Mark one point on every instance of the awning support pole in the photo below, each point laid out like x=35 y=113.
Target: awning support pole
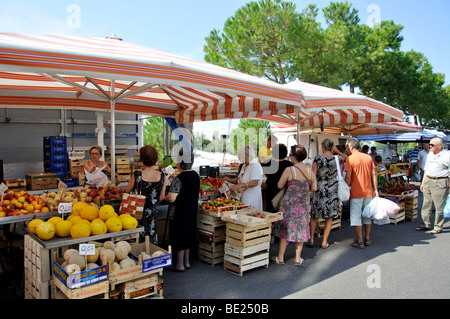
x=113 y=132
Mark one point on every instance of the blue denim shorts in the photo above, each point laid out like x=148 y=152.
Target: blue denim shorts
x=356 y=208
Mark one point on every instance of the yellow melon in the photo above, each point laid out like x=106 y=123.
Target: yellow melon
x=63 y=228
x=106 y=211
x=113 y=224
x=124 y=216
x=80 y=230
x=129 y=222
x=89 y=212
x=77 y=207
x=55 y=220
x=33 y=224
x=98 y=227
x=45 y=230
x=74 y=218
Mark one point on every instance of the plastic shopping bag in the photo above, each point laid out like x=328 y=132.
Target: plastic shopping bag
x=380 y=209
x=447 y=208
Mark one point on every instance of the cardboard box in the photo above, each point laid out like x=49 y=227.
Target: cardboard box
x=41 y=181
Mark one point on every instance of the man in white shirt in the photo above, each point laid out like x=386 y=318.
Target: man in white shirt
x=435 y=186
x=422 y=159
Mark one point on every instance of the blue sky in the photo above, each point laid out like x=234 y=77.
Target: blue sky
x=180 y=27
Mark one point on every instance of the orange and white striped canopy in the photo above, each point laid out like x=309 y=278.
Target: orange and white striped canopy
x=50 y=71
x=339 y=109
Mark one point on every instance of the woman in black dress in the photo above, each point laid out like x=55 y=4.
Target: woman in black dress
x=183 y=207
x=151 y=183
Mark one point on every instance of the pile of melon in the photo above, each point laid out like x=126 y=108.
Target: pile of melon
x=85 y=220
x=114 y=254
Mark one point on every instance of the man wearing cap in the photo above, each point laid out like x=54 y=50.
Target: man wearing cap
x=435 y=186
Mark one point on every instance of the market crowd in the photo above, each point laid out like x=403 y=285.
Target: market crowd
x=309 y=192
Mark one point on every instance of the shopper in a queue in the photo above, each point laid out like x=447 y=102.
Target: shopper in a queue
x=325 y=202
x=295 y=205
x=183 y=197
x=150 y=182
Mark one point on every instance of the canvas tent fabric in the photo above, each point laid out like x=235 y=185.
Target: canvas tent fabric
x=79 y=72
x=422 y=136
x=335 y=108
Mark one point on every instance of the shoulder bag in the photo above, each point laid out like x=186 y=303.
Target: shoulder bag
x=343 y=189
x=134 y=202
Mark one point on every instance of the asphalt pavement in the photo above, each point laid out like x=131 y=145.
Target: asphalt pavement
x=402 y=263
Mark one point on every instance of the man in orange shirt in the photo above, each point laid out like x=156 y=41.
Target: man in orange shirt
x=360 y=174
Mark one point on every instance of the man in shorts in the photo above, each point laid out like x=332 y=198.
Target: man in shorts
x=360 y=174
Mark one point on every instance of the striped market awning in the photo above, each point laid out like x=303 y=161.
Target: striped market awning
x=335 y=108
x=50 y=71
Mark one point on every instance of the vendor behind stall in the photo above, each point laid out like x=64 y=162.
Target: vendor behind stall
x=93 y=168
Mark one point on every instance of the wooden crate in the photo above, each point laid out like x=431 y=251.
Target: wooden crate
x=335 y=224
x=100 y=288
x=411 y=214
x=76 y=166
x=37 y=269
x=140 y=288
x=238 y=259
x=41 y=181
x=398 y=217
x=211 y=253
x=244 y=236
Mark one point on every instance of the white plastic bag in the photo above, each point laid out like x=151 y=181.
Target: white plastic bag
x=447 y=208
x=380 y=209
x=97 y=177
x=343 y=189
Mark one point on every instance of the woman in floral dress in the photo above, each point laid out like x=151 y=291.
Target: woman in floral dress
x=325 y=201
x=295 y=205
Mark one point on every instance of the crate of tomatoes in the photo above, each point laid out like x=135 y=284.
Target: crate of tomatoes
x=218 y=206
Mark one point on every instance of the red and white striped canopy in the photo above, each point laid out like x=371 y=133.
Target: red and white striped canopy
x=49 y=71
x=335 y=108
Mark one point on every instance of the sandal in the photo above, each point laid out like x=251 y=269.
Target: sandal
x=435 y=231
x=326 y=246
x=275 y=260
x=299 y=263
x=422 y=228
x=368 y=242
x=359 y=245
x=309 y=244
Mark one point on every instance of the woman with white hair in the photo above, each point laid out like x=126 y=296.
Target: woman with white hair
x=249 y=179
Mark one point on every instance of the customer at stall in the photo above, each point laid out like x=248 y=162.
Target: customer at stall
x=273 y=171
x=435 y=186
x=295 y=205
x=360 y=176
x=93 y=168
x=249 y=179
x=379 y=166
x=152 y=183
x=422 y=159
x=183 y=207
x=325 y=201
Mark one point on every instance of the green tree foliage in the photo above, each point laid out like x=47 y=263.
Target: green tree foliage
x=153 y=128
x=271 y=39
x=249 y=132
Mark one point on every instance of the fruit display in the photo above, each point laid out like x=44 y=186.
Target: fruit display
x=211 y=183
x=21 y=203
x=396 y=187
x=86 y=220
x=225 y=204
x=115 y=253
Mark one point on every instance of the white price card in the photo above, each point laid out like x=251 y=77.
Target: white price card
x=224 y=189
x=168 y=170
x=62 y=186
x=3 y=188
x=65 y=208
x=86 y=249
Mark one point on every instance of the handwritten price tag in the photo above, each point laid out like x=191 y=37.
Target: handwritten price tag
x=3 y=188
x=65 y=208
x=87 y=249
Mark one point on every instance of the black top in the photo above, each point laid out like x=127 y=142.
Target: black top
x=273 y=171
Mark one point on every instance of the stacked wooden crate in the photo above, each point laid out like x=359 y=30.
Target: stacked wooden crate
x=211 y=231
x=247 y=244
x=411 y=206
x=37 y=277
x=123 y=164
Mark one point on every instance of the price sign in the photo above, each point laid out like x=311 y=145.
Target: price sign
x=86 y=249
x=168 y=170
x=65 y=208
x=3 y=188
x=62 y=186
x=224 y=189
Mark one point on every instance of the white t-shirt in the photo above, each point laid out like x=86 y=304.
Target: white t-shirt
x=422 y=158
x=438 y=165
x=252 y=196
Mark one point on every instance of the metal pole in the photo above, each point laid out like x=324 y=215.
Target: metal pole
x=113 y=131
